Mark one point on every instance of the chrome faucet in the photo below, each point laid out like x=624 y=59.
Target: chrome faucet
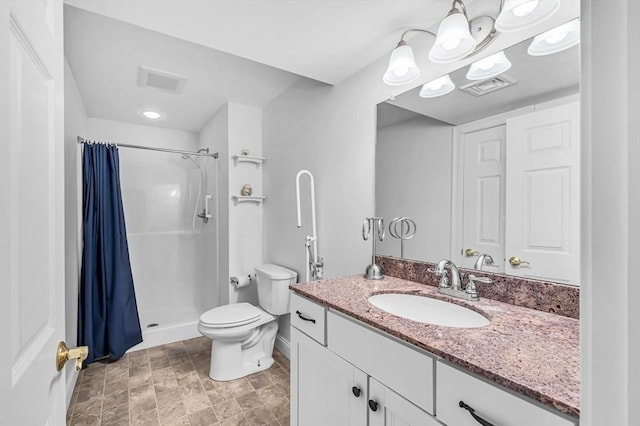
x=470 y=292
x=455 y=274
x=483 y=259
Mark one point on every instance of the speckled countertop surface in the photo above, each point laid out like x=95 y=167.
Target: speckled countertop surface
x=531 y=352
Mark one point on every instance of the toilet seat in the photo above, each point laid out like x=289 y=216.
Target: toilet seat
x=232 y=315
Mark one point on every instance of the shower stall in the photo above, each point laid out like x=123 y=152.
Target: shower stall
x=170 y=205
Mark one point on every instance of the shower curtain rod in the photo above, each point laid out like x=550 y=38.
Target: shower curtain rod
x=175 y=151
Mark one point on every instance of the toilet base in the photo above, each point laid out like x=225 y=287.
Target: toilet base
x=233 y=360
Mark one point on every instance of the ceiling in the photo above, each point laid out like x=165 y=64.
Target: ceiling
x=104 y=55
x=538 y=79
x=244 y=51
x=325 y=40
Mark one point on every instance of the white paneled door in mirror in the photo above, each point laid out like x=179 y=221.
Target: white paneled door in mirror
x=484 y=197
x=543 y=193
x=32 y=213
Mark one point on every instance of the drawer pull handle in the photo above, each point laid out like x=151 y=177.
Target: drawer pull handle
x=302 y=317
x=373 y=405
x=471 y=411
x=356 y=391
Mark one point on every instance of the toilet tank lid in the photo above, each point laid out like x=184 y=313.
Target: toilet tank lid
x=275 y=272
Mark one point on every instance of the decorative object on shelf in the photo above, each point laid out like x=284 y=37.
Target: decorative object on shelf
x=237 y=199
x=458 y=37
x=376 y=224
x=246 y=190
x=244 y=151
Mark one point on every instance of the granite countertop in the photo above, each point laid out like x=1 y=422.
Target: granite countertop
x=531 y=352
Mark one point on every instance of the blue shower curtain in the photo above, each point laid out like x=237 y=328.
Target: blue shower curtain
x=108 y=314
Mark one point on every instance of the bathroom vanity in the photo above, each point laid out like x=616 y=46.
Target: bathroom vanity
x=352 y=363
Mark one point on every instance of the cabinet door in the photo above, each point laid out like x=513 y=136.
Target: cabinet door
x=387 y=408
x=484 y=196
x=543 y=194
x=322 y=386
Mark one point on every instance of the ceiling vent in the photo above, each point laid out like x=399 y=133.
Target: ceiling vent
x=161 y=80
x=483 y=87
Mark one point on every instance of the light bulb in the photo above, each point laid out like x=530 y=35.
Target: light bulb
x=401 y=72
x=451 y=44
x=525 y=8
x=556 y=40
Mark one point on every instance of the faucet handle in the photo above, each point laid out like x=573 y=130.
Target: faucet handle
x=475 y=279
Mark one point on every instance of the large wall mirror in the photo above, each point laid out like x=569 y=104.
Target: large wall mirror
x=491 y=167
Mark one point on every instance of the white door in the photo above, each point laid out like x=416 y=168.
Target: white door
x=543 y=193
x=387 y=408
x=484 y=197
x=32 y=392
x=326 y=390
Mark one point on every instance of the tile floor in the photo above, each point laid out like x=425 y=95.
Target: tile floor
x=169 y=385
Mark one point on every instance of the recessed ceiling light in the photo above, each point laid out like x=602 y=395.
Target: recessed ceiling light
x=153 y=115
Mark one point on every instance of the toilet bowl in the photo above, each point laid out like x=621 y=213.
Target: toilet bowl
x=243 y=335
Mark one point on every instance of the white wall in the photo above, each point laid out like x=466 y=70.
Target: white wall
x=245 y=219
x=75 y=124
x=413 y=179
x=610 y=294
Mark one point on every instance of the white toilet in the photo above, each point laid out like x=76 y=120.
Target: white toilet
x=243 y=335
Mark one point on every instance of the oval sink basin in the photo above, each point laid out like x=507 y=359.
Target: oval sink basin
x=428 y=310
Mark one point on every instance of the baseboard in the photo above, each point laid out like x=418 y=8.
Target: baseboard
x=71 y=384
x=283 y=346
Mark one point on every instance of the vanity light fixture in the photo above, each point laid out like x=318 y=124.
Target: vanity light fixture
x=438 y=87
x=458 y=37
x=520 y=14
x=489 y=67
x=402 y=66
x=454 y=40
x=556 y=40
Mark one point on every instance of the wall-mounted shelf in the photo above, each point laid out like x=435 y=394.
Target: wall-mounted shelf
x=248 y=159
x=247 y=199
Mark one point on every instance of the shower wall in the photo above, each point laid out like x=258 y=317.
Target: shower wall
x=172 y=255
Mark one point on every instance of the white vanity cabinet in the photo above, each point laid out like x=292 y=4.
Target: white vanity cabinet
x=344 y=372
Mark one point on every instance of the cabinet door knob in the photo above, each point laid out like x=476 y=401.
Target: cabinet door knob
x=471 y=411
x=373 y=405
x=356 y=391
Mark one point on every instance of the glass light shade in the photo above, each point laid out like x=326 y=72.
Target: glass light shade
x=488 y=67
x=521 y=14
x=402 y=66
x=438 y=87
x=454 y=41
x=556 y=40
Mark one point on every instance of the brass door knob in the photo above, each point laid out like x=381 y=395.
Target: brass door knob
x=64 y=354
x=471 y=252
x=516 y=261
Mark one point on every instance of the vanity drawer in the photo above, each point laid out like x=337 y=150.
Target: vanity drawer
x=309 y=317
x=493 y=404
x=405 y=370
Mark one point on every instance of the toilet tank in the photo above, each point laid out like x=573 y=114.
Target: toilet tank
x=273 y=288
